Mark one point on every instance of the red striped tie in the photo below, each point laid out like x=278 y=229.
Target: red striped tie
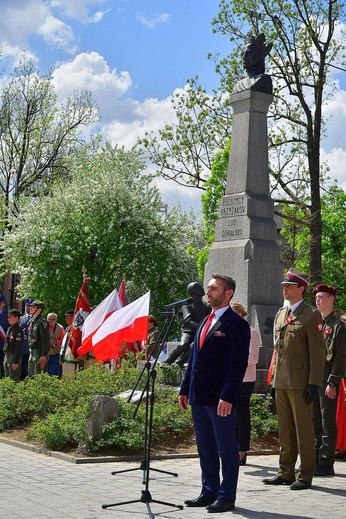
x=206 y=329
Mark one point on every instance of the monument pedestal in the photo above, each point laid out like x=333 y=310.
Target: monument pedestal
x=245 y=246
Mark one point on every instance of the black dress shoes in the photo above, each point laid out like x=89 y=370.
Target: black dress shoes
x=300 y=485
x=220 y=506
x=324 y=471
x=276 y=480
x=200 y=501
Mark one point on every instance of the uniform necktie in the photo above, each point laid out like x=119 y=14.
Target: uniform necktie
x=206 y=329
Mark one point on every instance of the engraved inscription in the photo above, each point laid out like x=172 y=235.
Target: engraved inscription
x=233 y=205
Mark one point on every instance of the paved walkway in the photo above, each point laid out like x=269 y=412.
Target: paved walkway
x=37 y=486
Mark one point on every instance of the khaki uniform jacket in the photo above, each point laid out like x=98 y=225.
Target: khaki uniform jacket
x=299 y=348
x=334 y=332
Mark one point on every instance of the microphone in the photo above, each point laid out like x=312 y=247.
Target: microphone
x=183 y=302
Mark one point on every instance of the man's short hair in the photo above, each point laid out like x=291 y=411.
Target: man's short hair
x=14 y=312
x=228 y=282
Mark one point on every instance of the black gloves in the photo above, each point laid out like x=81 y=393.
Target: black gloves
x=309 y=393
x=272 y=392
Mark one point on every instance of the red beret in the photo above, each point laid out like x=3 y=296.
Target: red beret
x=324 y=288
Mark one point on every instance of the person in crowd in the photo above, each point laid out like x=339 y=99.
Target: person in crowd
x=24 y=323
x=56 y=332
x=192 y=314
x=325 y=403
x=68 y=363
x=246 y=388
x=151 y=346
x=13 y=346
x=298 y=372
x=211 y=386
x=3 y=330
x=39 y=339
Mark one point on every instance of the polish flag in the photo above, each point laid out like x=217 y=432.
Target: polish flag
x=129 y=324
x=81 y=312
x=122 y=292
x=2 y=333
x=92 y=323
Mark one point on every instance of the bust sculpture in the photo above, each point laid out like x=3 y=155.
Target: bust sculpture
x=254 y=54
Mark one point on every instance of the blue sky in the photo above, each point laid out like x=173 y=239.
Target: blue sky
x=160 y=43
x=133 y=55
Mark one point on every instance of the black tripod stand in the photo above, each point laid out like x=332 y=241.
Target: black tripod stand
x=149 y=391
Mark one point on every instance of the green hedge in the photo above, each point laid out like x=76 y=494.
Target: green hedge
x=55 y=411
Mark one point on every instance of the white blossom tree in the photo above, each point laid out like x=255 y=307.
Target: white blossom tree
x=109 y=218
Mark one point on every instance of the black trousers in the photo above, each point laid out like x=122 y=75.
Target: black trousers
x=326 y=431
x=2 y=370
x=243 y=415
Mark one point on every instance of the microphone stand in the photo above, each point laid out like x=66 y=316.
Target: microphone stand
x=149 y=391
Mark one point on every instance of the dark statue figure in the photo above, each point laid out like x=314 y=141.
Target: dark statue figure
x=191 y=315
x=254 y=54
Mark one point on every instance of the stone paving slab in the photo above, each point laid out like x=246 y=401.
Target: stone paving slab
x=37 y=486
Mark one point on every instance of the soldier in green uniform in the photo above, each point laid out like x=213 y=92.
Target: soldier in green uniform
x=13 y=346
x=39 y=340
x=298 y=372
x=325 y=404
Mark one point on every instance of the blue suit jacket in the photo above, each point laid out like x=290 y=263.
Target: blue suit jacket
x=217 y=369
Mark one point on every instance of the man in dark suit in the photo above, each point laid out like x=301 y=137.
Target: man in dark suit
x=298 y=372
x=211 y=386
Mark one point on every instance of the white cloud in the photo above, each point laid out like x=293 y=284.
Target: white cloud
x=95 y=18
x=57 y=33
x=134 y=118
x=336 y=160
x=90 y=71
x=16 y=53
x=20 y=19
x=153 y=20
x=77 y=9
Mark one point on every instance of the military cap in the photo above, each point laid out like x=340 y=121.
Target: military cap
x=14 y=312
x=69 y=312
x=324 y=288
x=28 y=301
x=2 y=297
x=37 y=303
x=294 y=277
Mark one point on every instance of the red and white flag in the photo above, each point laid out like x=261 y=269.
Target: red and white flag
x=92 y=323
x=121 y=292
x=2 y=333
x=81 y=312
x=129 y=324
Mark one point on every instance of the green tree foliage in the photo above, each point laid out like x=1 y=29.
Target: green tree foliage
x=215 y=189
x=109 y=218
x=308 y=44
x=296 y=237
x=36 y=133
x=184 y=152
x=306 y=47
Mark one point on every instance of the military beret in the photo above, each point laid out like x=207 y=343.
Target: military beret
x=324 y=288
x=69 y=312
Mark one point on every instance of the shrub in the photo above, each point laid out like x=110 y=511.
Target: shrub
x=263 y=420
x=56 y=410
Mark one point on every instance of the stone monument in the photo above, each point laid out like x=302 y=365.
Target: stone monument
x=245 y=246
